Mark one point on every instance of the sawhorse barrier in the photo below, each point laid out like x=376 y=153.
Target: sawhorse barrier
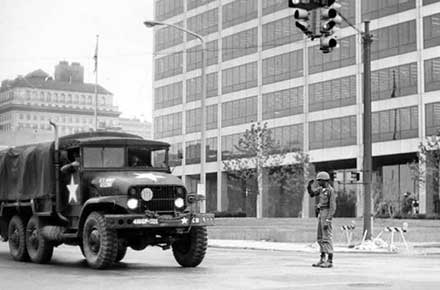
x=392 y=230
x=348 y=230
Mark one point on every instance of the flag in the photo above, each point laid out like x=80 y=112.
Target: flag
x=393 y=92
x=95 y=57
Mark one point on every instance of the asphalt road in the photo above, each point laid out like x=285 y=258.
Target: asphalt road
x=223 y=269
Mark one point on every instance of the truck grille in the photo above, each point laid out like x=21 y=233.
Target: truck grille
x=163 y=198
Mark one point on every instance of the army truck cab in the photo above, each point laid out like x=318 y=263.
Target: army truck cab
x=101 y=191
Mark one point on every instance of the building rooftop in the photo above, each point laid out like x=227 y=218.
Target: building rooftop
x=39 y=79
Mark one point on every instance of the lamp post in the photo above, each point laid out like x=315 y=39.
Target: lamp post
x=202 y=188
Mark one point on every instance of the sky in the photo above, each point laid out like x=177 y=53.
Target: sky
x=37 y=34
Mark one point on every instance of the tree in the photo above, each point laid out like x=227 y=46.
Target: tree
x=259 y=154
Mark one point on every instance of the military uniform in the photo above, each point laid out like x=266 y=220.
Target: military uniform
x=325 y=200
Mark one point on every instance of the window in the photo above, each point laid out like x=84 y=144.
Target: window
x=169 y=65
x=168 y=96
x=401 y=123
x=283 y=67
x=240 y=44
x=194 y=56
x=432 y=74
x=203 y=24
x=426 y=2
x=239 y=11
x=280 y=32
x=168 y=8
x=193 y=152
x=197 y=3
x=168 y=125
x=373 y=9
x=283 y=103
x=332 y=94
x=342 y=56
x=103 y=157
x=211 y=149
x=239 y=78
x=229 y=149
x=431 y=30
x=167 y=37
x=332 y=133
x=288 y=138
x=394 y=40
x=175 y=154
x=239 y=112
x=271 y=6
x=432 y=119
x=194 y=117
x=194 y=87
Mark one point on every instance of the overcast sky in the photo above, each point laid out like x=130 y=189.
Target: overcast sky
x=39 y=33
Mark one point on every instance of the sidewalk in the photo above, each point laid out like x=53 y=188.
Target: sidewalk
x=415 y=248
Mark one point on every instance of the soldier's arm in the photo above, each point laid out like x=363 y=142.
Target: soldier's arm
x=311 y=192
x=332 y=205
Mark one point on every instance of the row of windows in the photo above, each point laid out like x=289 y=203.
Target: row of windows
x=168 y=8
x=240 y=44
x=401 y=123
x=373 y=9
x=239 y=112
x=167 y=37
x=168 y=125
x=331 y=94
x=239 y=11
x=280 y=32
x=169 y=65
x=194 y=55
x=344 y=55
x=393 y=40
x=323 y=95
x=204 y=23
x=168 y=96
x=191 y=4
x=405 y=77
x=283 y=103
x=283 y=67
x=432 y=115
x=193 y=151
x=431 y=30
x=194 y=117
x=332 y=133
x=61 y=119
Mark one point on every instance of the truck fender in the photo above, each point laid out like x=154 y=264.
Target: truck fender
x=106 y=204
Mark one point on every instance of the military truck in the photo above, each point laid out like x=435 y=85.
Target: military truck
x=101 y=191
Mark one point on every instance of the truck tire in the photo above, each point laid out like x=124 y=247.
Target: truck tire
x=100 y=244
x=190 y=249
x=122 y=250
x=40 y=249
x=17 y=239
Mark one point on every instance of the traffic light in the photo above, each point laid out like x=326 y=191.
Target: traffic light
x=330 y=19
x=302 y=20
x=306 y=4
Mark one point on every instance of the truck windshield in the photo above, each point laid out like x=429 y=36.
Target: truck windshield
x=103 y=157
x=145 y=157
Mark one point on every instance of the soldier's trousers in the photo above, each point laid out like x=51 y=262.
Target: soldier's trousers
x=325 y=236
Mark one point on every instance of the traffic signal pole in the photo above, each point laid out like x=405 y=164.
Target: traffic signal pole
x=367 y=140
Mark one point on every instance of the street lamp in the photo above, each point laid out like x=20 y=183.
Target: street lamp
x=151 y=24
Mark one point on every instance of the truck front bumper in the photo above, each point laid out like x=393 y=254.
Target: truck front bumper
x=133 y=221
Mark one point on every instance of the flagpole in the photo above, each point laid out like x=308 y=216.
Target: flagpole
x=96 y=84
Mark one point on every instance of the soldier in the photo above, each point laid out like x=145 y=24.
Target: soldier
x=325 y=198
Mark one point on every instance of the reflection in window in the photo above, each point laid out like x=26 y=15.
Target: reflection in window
x=401 y=123
x=432 y=74
x=332 y=133
x=283 y=67
x=103 y=157
x=432 y=119
x=431 y=30
x=239 y=111
x=332 y=94
x=283 y=103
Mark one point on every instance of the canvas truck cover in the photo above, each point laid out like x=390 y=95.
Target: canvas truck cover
x=27 y=172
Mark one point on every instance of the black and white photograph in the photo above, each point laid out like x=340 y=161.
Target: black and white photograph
x=219 y=144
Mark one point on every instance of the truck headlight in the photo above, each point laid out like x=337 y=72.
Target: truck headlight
x=179 y=203
x=147 y=194
x=132 y=203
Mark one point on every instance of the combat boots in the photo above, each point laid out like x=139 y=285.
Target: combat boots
x=326 y=264
x=321 y=262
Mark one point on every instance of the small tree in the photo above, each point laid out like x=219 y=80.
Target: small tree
x=257 y=150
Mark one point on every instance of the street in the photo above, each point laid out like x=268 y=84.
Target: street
x=223 y=269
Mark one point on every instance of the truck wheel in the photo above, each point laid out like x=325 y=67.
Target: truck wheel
x=40 y=250
x=122 y=250
x=190 y=249
x=17 y=239
x=100 y=243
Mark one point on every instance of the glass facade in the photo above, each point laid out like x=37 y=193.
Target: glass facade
x=239 y=112
x=432 y=74
x=194 y=87
x=168 y=96
x=168 y=66
x=168 y=125
x=194 y=56
x=280 y=32
x=239 y=78
x=382 y=81
x=401 y=123
x=432 y=116
x=283 y=67
x=167 y=37
x=332 y=133
x=288 y=138
x=239 y=11
x=194 y=117
x=240 y=44
x=344 y=55
x=283 y=103
x=204 y=23
x=431 y=30
x=332 y=94
x=372 y=9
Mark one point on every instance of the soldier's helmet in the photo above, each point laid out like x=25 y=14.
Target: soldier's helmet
x=323 y=176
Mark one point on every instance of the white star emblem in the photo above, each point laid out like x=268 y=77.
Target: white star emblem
x=150 y=176
x=184 y=221
x=72 y=187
